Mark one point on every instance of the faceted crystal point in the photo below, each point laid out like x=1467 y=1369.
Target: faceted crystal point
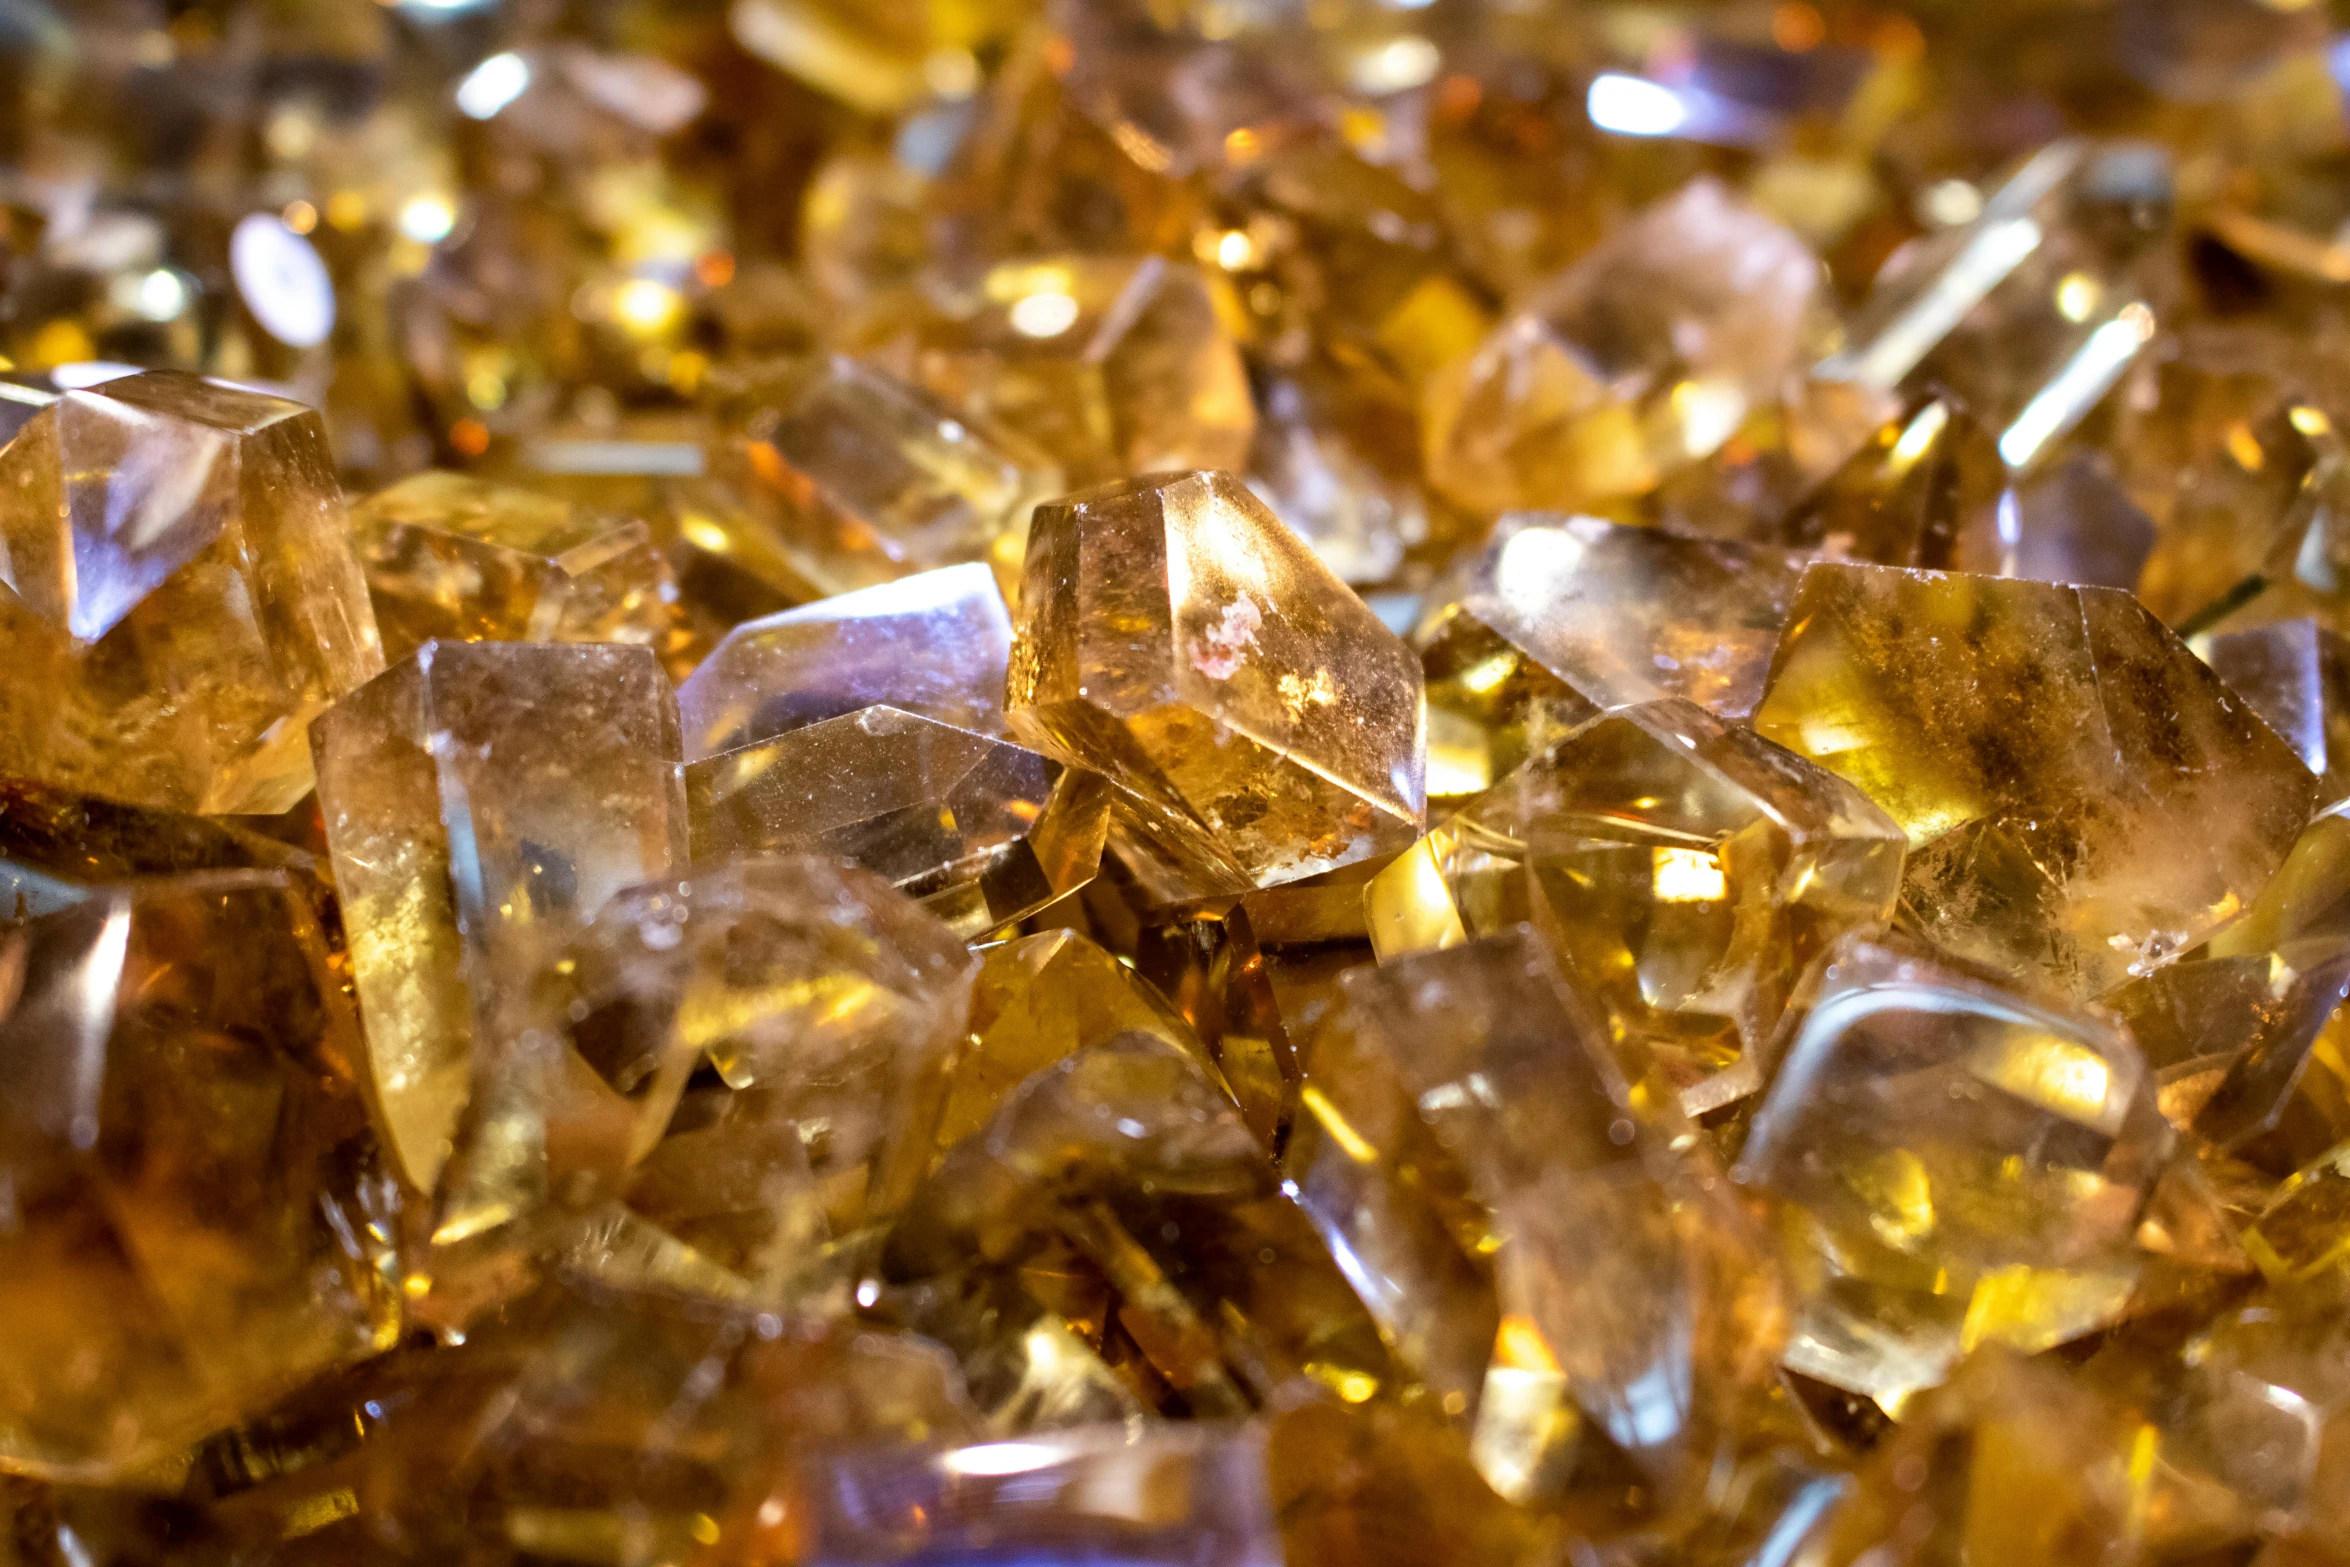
x=1111 y=366
x=1119 y=1191
x=1683 y=870
x=1930 y=480
x=1958 y=1165
x=1641 y=358
x=1559 y=618
x=1259 y=723
x=2084 y=800
x=178 y=595
x=1626 y=1284
x=1324 y=461
x=2296 y=675
x=775 y=1036
x=184 y=1145
x=479 y=797
x=864 y=479
x=464 y=559
x=936 y=643
x=982 y=831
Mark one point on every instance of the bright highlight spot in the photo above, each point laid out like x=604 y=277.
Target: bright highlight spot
x=492 y=85
x=644 y=306
x=427 y=219
x=1631 y=106
x=999 y=1458
x=1044 y=315
x=1688 y=876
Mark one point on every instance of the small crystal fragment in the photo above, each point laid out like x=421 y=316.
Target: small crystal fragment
x=1643 y=357
x=983 y=832
x=1683 y=870
x=464 y=559
x=1323 y=462
x=937 y=643
x=861 y=478
x=184 y=1147
x=178 y=595
x=2084 y=800
x=1557 y=619
x=1259 y=723
x=1959 y=1166
x=58 y=847
x=478 y=797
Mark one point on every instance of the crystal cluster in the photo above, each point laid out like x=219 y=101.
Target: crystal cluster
x=1471 y=783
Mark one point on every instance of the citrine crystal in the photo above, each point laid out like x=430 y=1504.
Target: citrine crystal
x=982 y=831
x=478 y=796
x=466 y=560
x=1532 y=1229
x=1683 y=870
x=183 y=1141
x=182 y=595
x=2084 y=800
x=59 y=848
x=2296 y=675
x=1557 y=619
x=1258 y=723
x=862 y=478
x=1644 y=356
x=1960 y=1165
x=937 y=643
x=1109 y=365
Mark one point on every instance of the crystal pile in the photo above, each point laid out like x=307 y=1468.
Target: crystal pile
x=1178 y=783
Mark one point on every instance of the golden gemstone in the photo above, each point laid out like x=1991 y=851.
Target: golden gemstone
x=1257 y=721
x=181 y=595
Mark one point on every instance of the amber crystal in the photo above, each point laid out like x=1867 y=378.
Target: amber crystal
x=471 y=561
x=478 y=796
x=2084 y=800
x=185 y=1150
x=982 y=831
x=1685 y=871
x=1960 y=1166
x=1258 y=722
x=1559 y=618
x=182 y=594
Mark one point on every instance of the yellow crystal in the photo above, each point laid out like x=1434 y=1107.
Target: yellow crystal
x=464 y=559
x=1641 y=358
x=983 y=832
x=2084 y=800
x=1958 y=1165
x=478 y=798
x=1259 y=723
x=2296 y=675
x=184 y=1145
x=1683 y=870
x=1559 y=618
x=179 y=595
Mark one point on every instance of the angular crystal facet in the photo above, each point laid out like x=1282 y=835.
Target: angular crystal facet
x=1526 y=1224
x=57 y=847
x=982 y=831
x=178 y=595
x=1111 y=366
x=774 y=1038
x=1259 y=723
x=1119 y=1191
x=1641 y=358
x=2084 y=800
x=862 y=479
x=1683 y=870
x=1959 y=1166
x=478 y=797
x=936 y=643
x=1560 y=618
x=2296 y=675
x=464 y=559
x=184 y=1147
